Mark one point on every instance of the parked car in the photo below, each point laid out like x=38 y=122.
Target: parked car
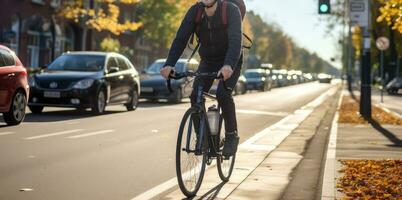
x=394 y=86
x=324 y=78
x=240 y=88
x=257 y=79
x=14 y=88
x=153 y=85
x=86 y=80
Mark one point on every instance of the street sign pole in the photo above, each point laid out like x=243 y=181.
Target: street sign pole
x=360 y=15
x=365 y=88
x=382 y=44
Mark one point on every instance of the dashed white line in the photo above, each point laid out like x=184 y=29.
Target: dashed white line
x=53 y=134
x=91 y=134
x=6 y=133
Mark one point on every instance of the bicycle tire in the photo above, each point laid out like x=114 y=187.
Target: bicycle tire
x=182 y=173
x=225 y=167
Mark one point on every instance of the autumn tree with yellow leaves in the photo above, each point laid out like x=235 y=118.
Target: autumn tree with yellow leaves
x=391 y=12
x=103 y=18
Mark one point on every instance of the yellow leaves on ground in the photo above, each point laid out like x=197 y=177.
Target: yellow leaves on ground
x=391 y=12
x=369 y=179
x=349 y=113
x=99 y=19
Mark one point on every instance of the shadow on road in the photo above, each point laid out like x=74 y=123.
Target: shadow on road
x=391 y=136
x=211 y=194
x=156 y=103
x=55 y=116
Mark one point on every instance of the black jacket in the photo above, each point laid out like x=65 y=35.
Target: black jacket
x=217 y=44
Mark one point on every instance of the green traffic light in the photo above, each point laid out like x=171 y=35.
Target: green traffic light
x=324 y=8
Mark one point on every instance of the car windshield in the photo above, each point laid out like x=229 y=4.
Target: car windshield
x=252 y=75
x=157 y=66
x=86 y=63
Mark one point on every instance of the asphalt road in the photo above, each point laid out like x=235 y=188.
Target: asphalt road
x=65 y=154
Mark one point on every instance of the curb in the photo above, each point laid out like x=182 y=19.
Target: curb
x=388 y=110
x=328 y=183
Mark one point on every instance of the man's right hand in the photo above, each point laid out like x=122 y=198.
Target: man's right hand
x=165 y=71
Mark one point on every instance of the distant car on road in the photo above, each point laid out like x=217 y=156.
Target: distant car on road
x=14 y=89
x=324 y=78
x=394 y=86
x=86 y=80
x=153 y=85
x=257 y=79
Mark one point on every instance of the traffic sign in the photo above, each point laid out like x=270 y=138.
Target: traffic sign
x=382 y=43
x=359 y=12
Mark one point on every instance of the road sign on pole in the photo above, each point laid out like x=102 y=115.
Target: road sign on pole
x=359 y=12
x=382 y=44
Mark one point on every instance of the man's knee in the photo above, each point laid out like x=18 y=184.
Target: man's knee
x=224 y=95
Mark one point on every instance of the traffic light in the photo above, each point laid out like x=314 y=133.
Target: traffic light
x=324 y=7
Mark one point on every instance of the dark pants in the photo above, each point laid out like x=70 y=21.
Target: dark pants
x=223 y=95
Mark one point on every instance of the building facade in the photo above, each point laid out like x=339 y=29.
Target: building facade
x=37 y=35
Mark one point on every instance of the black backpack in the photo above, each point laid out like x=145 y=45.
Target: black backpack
x=199 y=15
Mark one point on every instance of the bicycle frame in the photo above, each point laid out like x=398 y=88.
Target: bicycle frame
x=204 y=127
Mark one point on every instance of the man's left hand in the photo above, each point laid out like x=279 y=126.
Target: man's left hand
x=226 y=72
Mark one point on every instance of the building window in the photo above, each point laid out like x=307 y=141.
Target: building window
x=33 y=49
x=69 y=39
x=40 y=2
x=55 y=3
x=15 y=28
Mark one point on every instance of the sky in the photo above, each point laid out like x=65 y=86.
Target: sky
x=300 y=20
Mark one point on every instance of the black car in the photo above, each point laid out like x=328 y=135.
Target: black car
x=394 y=86
x=257 y=79
x=85 y=80
x=153 y=85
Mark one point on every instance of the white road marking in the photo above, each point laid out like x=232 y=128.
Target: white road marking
x=91 y=134
x=6 y=133
x=171 y=183
x=53 y=134
x=257 y=112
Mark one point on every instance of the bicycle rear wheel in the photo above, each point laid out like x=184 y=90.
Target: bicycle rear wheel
x=190 y=167
x=225 y=165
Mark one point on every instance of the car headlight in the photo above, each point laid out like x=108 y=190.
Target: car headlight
x=83 y=84
x=31 y=82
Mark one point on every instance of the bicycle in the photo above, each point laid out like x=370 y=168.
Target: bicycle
x=198 y=145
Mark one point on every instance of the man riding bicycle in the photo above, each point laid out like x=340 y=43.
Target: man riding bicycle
x=220 y=51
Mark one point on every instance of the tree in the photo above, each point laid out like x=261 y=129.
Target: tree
x=161 y=19
x=102 y=18
x=391 y=12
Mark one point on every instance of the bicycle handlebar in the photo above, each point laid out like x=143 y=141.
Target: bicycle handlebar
x=179 y=75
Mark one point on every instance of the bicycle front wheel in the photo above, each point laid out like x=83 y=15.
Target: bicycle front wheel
x=190 y=165
x=225 y=165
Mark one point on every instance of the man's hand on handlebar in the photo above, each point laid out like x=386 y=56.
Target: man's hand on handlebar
x=226 y=71
x=166 y=71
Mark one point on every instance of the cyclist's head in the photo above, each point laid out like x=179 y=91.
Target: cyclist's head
x=208 y=3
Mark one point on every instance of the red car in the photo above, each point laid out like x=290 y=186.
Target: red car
x=14 y=88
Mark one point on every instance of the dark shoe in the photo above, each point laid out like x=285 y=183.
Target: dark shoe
x=230 y=146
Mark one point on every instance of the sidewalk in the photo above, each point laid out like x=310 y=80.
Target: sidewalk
x=359 y=142
x=391 y=102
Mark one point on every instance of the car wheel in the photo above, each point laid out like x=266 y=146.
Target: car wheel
x=99 y=105
x=36 y=109
x=176 y=97
x=132 y=105
x=16 y=114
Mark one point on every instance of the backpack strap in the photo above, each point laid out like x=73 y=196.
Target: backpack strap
x=225 y=20
x=198 y=18
x=225 y=13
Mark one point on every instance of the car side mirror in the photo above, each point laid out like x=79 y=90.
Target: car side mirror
x=44 y=66
x=113 y=70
